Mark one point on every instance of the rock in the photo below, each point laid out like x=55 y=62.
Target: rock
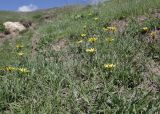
x=14 y=27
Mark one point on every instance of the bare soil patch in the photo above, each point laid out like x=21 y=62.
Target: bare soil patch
x=59 y=45
x=120 y=24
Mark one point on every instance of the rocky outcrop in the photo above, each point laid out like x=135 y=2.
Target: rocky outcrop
x=14 y=27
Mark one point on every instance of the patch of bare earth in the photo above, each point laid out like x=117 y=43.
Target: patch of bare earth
x=120 y=24
x=1 y=35
x=151 y=72
x=4 y=37
x=153 y=68
x=151 y=75
x=59 y=45
x=156 y=13
x=141 y=19
x=34 y=40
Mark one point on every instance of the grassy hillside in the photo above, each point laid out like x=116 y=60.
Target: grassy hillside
x=100 y=59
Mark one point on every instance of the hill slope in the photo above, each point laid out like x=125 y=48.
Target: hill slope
x=80 y=60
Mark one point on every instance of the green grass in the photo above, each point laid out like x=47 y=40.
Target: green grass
x=2 y=28
x=72 y=81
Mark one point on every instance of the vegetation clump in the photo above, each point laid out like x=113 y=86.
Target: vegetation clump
x=96 y=59
x=2 y=27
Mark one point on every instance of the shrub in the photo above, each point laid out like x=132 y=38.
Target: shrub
x=37 y=16
x=2 y=28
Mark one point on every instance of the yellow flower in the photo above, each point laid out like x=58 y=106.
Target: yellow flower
x=85 y=26
x=9 y=68
x=109 y=40
x=80 y=41
x=91 y=50
x=83 y=35
x=23 y=70
x=113 y=29
x=104 y=28
x=96 y=18
x=92 y=40
x=19 y=46
x=109 y=66
x=145 y=29
x=90 y=14
x=153 y=35
x=20 y=53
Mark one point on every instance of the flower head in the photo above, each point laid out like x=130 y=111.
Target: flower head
x=153 y=35
x=113 y=29
x=145 y=29
x=92 y=40
x=20 y=53
x=85 y=26
x=109 y=66
x=23 y=70
x=9 y=68
x=109 y=40
x=83 y=35
x=80 y=41
x=19 y=46
x=90 y=14
x=91 y=50
x=96 y=18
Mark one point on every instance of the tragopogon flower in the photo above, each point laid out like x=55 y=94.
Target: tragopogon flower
x=20 y=53
x=109 y=66
x=19 y=46
x=90 y=14
x=109 y=40
x=96 y=18
x=85 y=26
x=23 y=70
x=145 y=29
x=92 y=40
x=83 y=35
x=113 y=29
x=91 y=50
x=9 y=68
x=80 y=41
x=153 y=35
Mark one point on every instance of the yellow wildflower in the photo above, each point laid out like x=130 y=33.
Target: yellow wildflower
x=23 y=70
x=80 y=41
x=19 y=46
x=109 y=40
x=83 y=35
x=85 y=26
x=90 y=14
x=92 y=40
x=104 y=28
x=96 y=18
x=113 y=29
x=91 y=50
x=145 y=29
x=153 y=35
x=9 y=68
x=20 y=53
x=109 y=66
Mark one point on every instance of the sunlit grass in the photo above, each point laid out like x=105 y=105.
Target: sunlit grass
x=96 y=68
